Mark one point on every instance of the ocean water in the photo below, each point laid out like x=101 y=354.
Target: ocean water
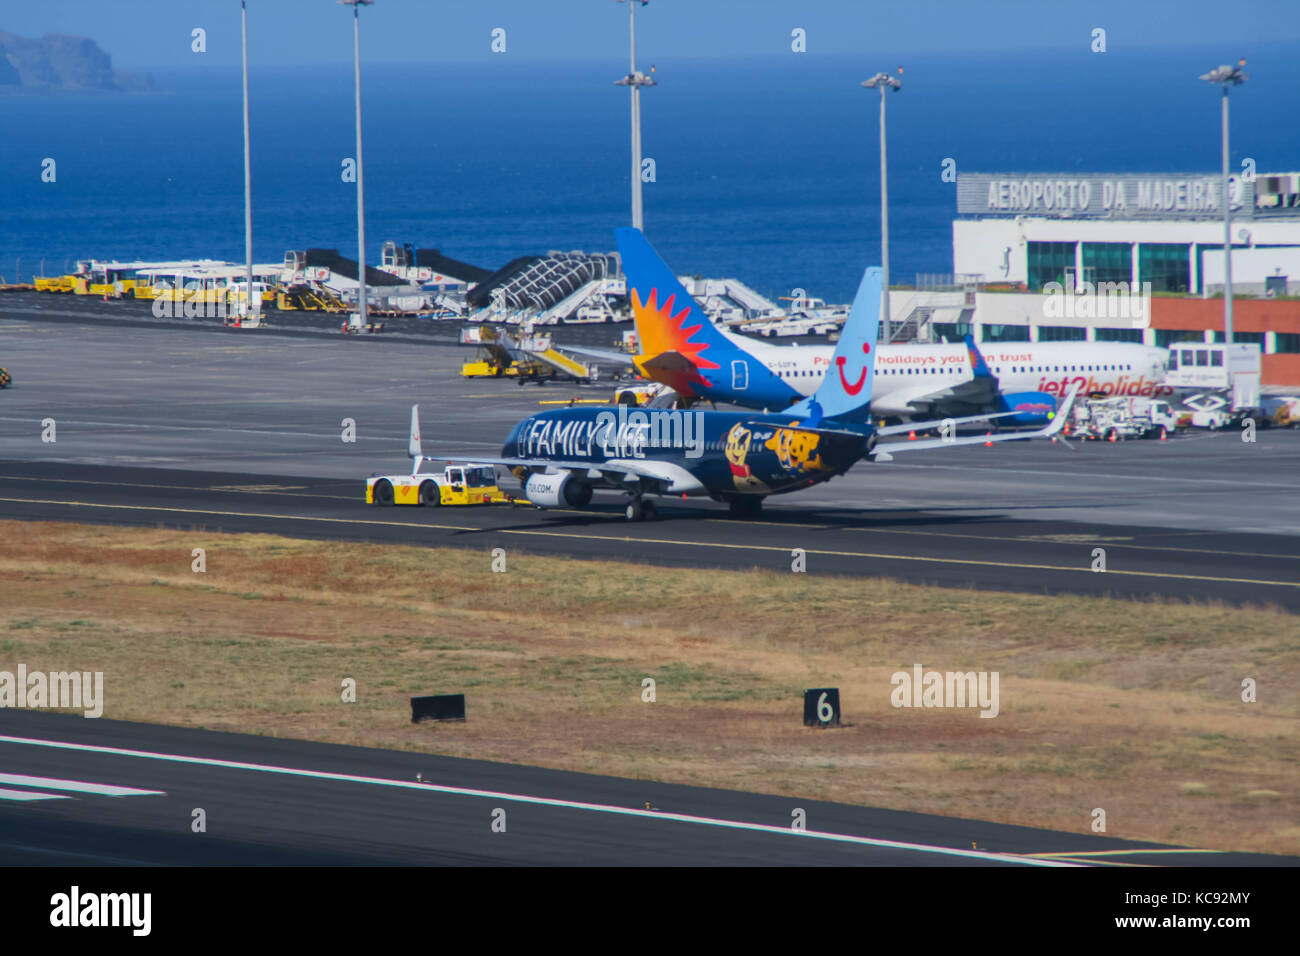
x=766 y=169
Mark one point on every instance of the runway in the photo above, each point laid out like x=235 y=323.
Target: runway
x=367 y=807
x=187 y=428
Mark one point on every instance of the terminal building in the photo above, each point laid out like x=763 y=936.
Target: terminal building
x=1022 y=239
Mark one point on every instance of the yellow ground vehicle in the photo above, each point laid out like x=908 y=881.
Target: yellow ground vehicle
x=464 y=484
x=5 y=380
x=55 y=283
x=642 y=393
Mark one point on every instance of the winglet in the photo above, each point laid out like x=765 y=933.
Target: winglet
x=1062 y=412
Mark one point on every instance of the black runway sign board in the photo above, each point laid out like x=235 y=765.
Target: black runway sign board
x=438 y=707
x=821 y=707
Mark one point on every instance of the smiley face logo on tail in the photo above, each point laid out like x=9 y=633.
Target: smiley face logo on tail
x=840 y=361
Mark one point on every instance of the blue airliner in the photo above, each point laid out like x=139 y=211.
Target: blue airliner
x=563 y=456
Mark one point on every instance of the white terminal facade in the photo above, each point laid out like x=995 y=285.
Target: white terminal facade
x=1026 y=230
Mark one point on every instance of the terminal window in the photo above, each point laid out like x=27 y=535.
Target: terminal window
x=1006 y=333
x=1166 y=265
x=1108 y=261
x=1062 y=333
x=1048 y=262
x=951 y=331
x=1287 y=342
x=1243 y=338
x=1119 y=335
x=1165 y=336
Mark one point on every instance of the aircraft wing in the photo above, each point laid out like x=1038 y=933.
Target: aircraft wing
x=900 y=429
x=614 y=472
x=886 y=452
x=970 y=394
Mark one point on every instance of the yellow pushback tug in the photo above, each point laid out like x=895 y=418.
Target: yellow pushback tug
x=457 y=484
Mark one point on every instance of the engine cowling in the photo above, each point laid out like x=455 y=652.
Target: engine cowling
x=554 y=491
x=1031 y=408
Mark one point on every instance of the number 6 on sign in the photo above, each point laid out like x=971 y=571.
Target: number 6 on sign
x=821 y=707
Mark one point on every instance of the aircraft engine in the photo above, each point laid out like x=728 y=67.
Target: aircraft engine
x=1031 y=408
x=554 y=491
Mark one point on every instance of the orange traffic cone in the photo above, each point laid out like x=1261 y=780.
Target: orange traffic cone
x=911 y=436
x=988 y=444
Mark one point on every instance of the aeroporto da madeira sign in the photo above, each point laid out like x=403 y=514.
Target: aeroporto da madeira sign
x=1102 y=195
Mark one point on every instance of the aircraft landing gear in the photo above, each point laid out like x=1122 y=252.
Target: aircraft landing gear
x=639 y=509
x=748 y=506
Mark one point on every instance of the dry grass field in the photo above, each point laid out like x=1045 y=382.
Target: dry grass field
x=1134 y=707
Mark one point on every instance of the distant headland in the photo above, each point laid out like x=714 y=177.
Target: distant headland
x=58 y=62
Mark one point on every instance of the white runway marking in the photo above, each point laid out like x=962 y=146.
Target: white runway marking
x=76 y=786
x=29 y=795
x=541 y=801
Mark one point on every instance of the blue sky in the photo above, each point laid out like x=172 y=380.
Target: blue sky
x=156 y=33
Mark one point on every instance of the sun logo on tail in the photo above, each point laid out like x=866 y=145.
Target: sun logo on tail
x=661 y=331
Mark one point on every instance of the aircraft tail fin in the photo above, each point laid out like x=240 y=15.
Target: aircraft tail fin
x=845 y=393
x=667 y=317
x=978 y=365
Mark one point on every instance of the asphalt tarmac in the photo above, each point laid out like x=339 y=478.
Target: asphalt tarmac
x=79 y=792
x=237 y=430
x=241 y=430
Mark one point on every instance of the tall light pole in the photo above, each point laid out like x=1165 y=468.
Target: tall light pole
x=1228 y=76
x=248 y=172
x=635 y=79
x=361 y=191
x=884 y=81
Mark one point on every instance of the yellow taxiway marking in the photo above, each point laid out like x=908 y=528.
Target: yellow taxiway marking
x=1082 y=539
x=239 y=514
x=783 y=524
x=669 y=541
x=263 y=489
x=283 y=490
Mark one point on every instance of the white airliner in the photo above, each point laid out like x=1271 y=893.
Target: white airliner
x=929 y=381
x=682 y=348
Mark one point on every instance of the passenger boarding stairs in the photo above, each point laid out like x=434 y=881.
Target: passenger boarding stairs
x=925 y=308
